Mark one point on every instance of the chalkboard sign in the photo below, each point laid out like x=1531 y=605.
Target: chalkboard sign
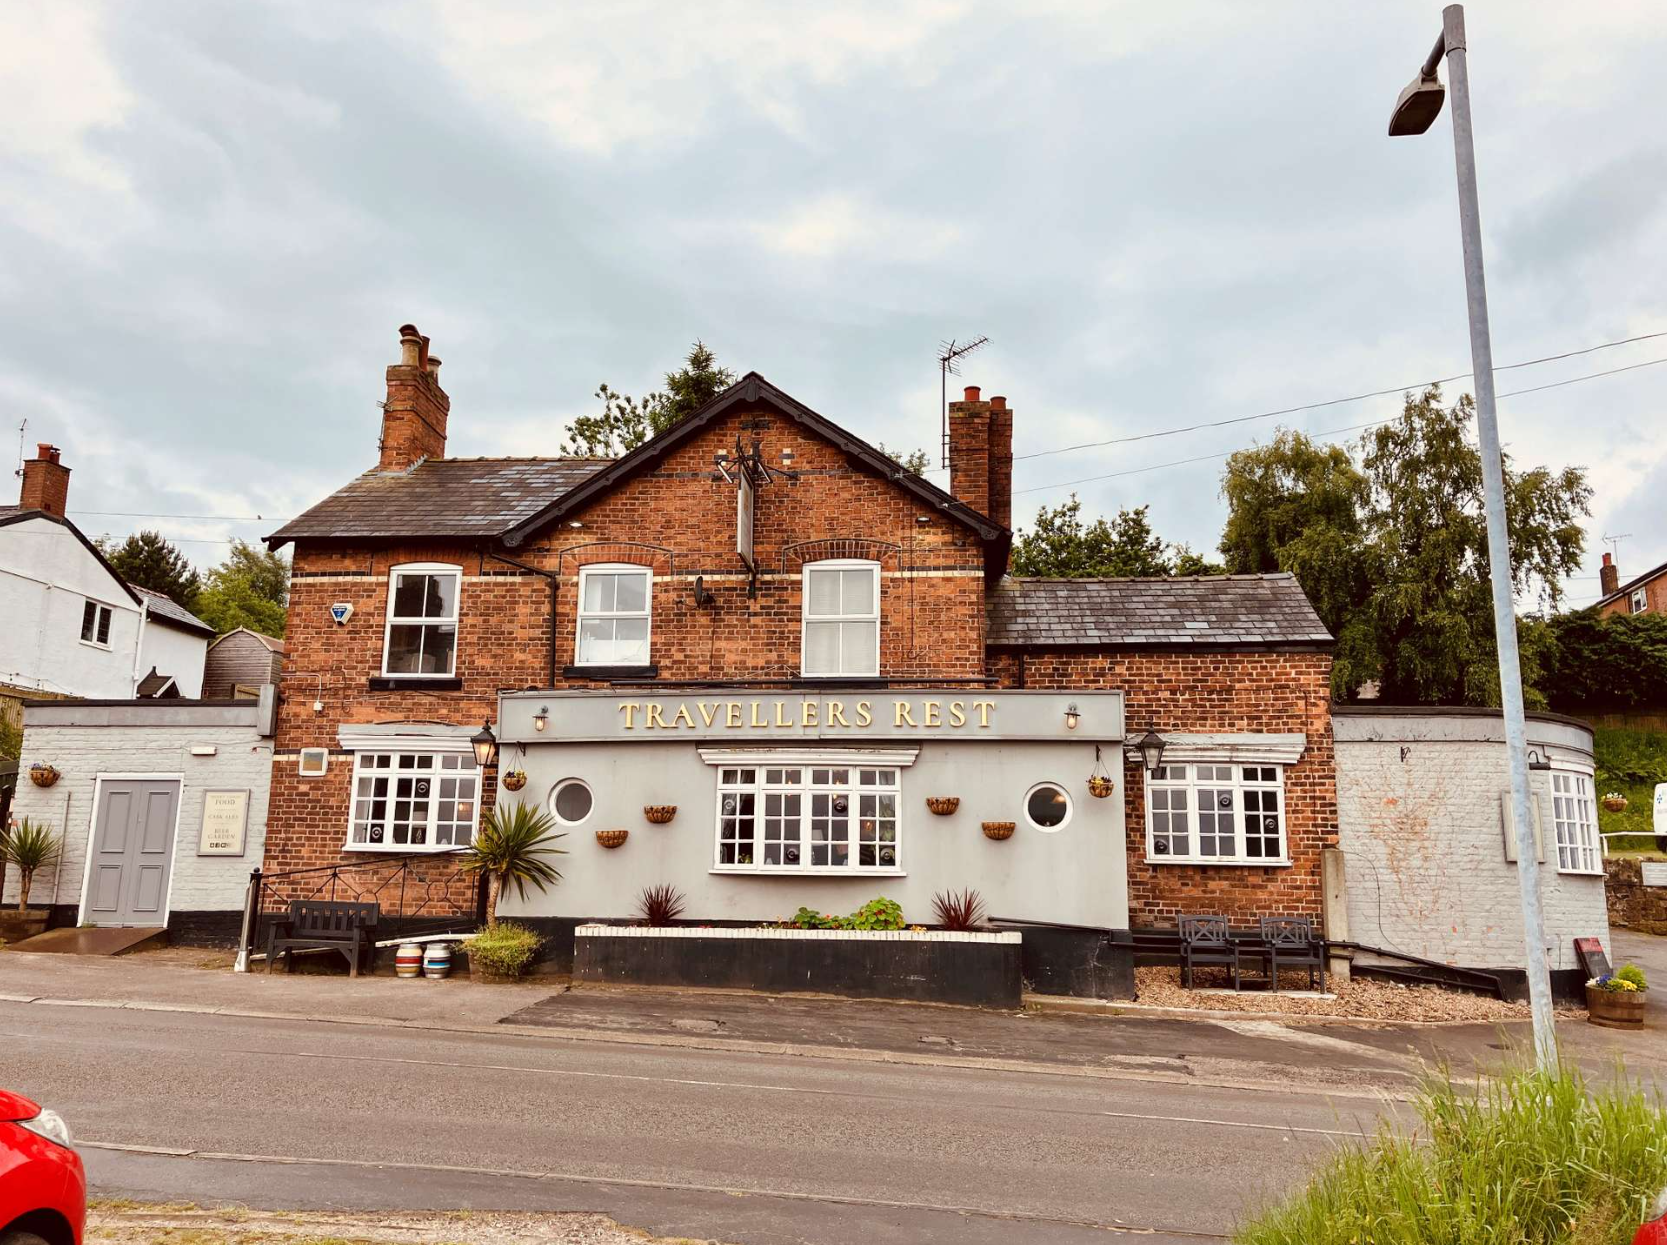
x=1592 y=958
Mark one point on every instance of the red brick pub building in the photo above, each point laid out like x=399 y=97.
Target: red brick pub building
x=762 y=621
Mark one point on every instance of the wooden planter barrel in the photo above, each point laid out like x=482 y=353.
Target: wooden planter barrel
x=1615 y=1009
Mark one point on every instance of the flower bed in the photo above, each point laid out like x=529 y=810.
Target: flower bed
x=934 y=966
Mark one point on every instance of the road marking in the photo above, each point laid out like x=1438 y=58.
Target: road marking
x=1123 y=1229
x=780 y=1089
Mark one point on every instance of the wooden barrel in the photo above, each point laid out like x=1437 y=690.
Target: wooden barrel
x=437 y=961
x=409 y=961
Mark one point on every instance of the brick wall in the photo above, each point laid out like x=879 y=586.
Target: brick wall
x=1631 y=903
x=1655 y=595
x=673 y=518
x=1250 y=692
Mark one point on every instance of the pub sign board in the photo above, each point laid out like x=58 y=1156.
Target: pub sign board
x=225 y=823
x=734 y=716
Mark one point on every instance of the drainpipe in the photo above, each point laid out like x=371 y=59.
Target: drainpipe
x=554 y=581
x=139 y=647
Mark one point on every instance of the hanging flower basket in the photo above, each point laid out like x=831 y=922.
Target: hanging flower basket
x=659 y=814
x=1615 y=802
x=612 y=838
x=43 y=775
x=514 y=780
x=998 y=830
x=943 y=805
x=1100 y=784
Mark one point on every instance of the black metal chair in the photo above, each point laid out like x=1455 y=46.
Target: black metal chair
x=1290 y=940
x=1205 y=940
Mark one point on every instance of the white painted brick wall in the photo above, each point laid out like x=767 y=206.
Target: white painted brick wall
x=1425 y=858
x=199 y=883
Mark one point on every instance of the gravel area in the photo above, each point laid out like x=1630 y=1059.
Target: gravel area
x=121 y=1222
x=1360 y=999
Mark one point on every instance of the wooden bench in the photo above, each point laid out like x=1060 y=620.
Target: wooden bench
x=327 y=924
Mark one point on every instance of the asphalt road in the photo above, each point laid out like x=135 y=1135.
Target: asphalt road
x=758 y=1149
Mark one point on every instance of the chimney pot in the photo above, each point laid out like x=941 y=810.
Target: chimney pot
x=1609 y=576
x=1608 y=561
x=434 y=366
x=972 y=393
x=998 y=403
x=410 y=346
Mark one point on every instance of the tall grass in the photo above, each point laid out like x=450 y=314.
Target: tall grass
x=1529 y=1158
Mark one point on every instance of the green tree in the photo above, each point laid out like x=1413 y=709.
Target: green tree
x=1606 y=662
x=1061 y=545
x=625 y=423
x=249 y=589
x=146 y=559
x=917 y=461
x=1391 y=547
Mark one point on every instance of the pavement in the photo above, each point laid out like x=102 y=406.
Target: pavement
x=750 y=1119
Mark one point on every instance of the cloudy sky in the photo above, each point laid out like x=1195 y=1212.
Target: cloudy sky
x=214 y=217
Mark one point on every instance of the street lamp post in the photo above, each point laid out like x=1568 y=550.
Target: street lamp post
x=1415 y=111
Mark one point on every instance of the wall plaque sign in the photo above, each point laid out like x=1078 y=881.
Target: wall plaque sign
x=1654 y=872
x=225 y=823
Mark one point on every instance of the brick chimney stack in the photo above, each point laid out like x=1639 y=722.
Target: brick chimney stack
x=45 y=482
x=1609 y=576
x=981 y=455
x=414 y=417
x=1001 y=462
x=969 y=451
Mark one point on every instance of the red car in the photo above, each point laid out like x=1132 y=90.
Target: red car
x=43 y=1191
x=1655 y=1231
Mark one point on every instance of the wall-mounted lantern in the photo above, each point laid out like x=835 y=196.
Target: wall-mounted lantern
x=541 y=719
x=485 y=744
x=1151 y=746
x=1072 y=716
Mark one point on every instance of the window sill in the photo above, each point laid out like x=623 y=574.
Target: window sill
x=857 y=682
x=610 y=672
x=103 y=648
x=415 y=683
x=404 y=849
x=1218 y=861
x=814 y=871
x=1581 y=873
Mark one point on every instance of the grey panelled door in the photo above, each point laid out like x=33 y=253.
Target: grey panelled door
x=133 y=852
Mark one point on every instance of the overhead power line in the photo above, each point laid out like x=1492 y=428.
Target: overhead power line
x=1361 y=397
x=1330 y=432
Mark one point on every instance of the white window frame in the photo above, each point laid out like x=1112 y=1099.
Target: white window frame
x=103 y=612
x=466 y=769
x=390 y=621
x=1070 y=806
x=806 y=618
x=562 y=786
x=1640 y=602
x=1574 y=814
x=805 y=787
x=1239 y=786
x=647 y=611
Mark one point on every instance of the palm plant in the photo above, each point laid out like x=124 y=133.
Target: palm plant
x=510 y=850
x=31 y=847
x=961 y=911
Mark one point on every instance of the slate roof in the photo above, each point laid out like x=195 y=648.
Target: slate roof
x=10 y=510
x=1214 y=611
x=442 y=497
x=154 y=684
x=163 y=609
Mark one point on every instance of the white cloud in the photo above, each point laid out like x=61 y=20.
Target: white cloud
x=599 y=75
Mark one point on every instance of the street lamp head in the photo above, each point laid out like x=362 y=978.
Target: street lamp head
x=1418 y=107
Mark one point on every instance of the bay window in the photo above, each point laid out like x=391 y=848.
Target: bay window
x=841 y=619
x=1216 y=813
x=421 y=636
x=614 y=616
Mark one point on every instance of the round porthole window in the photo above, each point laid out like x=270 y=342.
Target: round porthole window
x=1047 y=807
x=570 y=801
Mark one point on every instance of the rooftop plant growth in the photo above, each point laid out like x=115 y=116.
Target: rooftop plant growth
x=1529 y=1158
